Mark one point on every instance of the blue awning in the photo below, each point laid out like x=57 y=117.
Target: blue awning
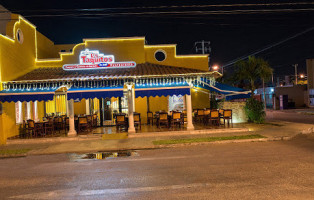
x=229 y=91
x=85 y=93
x=26 y=95
x=162 y=91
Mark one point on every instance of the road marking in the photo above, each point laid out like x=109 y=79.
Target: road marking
x=59 y=194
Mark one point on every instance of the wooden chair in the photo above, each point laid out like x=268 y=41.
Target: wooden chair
x=150 y=118
x=163 y=119
x=95 y=120
x=214 y=117
x=49 y=126
x=90 y=120
x=66 y=125
x=30 y=128
x=227 y=115
x=83 y=124
x=200 y=115
x=206 y=116
x=39 y=129
x=121 y=122
x=137 y=119
x=176 y=119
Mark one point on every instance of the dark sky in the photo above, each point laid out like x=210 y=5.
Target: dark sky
x=234 y=28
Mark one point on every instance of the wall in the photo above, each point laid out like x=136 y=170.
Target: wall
x=45 y=47
x=200 y=99
x=189 y=61
x=141 y=107
x=124 y=49
x=7 y=121
x=17 y=58
x=5 y=18
x=238 y=113
x=158 y=103
x=295 y=94
x=80 y=107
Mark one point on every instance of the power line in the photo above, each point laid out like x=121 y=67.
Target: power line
x=268 y=47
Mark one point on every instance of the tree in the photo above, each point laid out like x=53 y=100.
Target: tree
x=265 y=72
x=252 y=70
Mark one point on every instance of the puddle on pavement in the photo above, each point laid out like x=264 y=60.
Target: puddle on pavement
x=101 y=155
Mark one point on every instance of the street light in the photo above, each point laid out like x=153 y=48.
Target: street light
x=215 y=67
x=301 y=75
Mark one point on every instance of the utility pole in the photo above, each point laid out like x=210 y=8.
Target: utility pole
x=296 y=73
x=204 y=46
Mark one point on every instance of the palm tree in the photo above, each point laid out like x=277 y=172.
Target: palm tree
x=248 y=71
x=252 y=70
x=265 y=73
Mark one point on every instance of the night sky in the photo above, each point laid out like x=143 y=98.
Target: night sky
x=234 y=28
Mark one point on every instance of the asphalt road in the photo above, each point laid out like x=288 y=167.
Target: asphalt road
x=259 y=170
x=297 y=116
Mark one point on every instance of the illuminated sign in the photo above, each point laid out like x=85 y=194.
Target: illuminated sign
x=95 y=60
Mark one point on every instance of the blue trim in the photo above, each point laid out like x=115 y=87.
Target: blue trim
x=26 y=95
x=162 y=92
x=29 y=97
x=98 y=93
x=225 y=89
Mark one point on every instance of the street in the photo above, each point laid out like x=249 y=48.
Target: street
x=293 y=115
x=255 y=170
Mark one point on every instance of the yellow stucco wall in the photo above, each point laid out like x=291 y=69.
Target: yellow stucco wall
x=158 y=103
x=200 y=99
x=141 y=107
x=17 y=58
x=41 y=110
x=80 y=107
x=45 y=47
x=172 y=59
x=7 y=122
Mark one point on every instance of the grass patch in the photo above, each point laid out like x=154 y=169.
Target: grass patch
x=208 y=139
x=13 y=151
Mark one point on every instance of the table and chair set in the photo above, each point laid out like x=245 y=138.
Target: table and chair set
x=214 y=117
x=52 y=125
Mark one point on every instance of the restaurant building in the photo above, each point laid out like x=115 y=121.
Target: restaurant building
x=98 y=76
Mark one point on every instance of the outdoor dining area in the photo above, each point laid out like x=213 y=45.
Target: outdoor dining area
x=174 y=120
x=57 y=125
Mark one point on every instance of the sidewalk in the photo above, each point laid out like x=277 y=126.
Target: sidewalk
x=275 y=130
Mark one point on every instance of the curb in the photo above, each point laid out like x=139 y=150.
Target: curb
x=284 y=138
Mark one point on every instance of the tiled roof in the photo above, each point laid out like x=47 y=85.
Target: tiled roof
x=48 y=73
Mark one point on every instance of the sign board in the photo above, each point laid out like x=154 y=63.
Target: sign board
x=95 y=60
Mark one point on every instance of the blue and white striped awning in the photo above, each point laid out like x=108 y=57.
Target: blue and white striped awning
x=85 y=93
x=162 y=91
x=230 y=92
x=26 y=95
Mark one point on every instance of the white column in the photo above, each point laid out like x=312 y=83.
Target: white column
x=87 y=107
x=28 y=110
x=130 y=108
x=190 y=125
x=72 y=131
x=133 y=96
x=35 y=111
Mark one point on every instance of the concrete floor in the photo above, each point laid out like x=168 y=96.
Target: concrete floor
x=257 y=170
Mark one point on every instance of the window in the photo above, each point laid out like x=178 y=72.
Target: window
x=160 y=55
x=19 y=36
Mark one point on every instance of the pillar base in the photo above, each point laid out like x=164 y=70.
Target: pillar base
x=190 y=128
x=72 y=133
x=131 y=130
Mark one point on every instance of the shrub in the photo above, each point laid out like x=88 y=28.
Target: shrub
x=213 y=102
x=254 y=111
